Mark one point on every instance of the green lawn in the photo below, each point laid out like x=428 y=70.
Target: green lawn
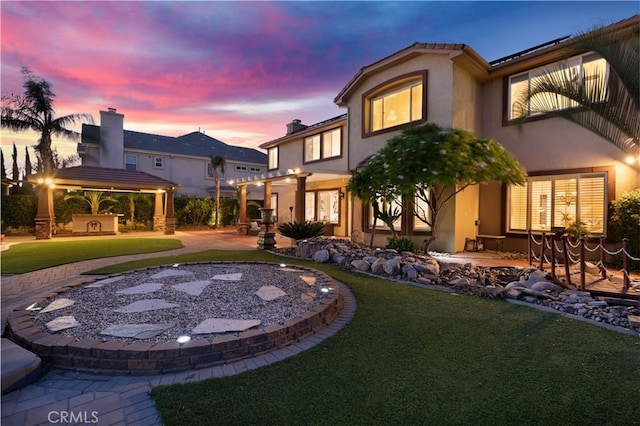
x=26 y=257
x=413 y=356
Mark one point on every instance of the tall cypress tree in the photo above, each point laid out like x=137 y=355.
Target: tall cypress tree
x=4 y=169
x=15 y=175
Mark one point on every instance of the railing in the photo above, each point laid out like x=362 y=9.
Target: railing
x=575 y=254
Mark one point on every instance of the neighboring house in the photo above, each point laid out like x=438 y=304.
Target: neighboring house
x=185 y=160
x=572 y=173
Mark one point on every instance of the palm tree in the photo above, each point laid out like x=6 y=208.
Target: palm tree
x=608 y=105
x=33 y=110
x=217 y=162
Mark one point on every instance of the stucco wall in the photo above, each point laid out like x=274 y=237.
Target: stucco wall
x=439 y=101
x=111 y=139
x=467 y=97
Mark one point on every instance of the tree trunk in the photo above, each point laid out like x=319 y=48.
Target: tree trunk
x=217 y=179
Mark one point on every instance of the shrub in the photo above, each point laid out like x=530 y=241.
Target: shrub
x=301 y=231
x=625 y=223
x=400 y=244
x=19 y=211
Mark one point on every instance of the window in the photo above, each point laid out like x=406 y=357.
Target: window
x=589 y=70
x=158 y=162
x=558 y=201
x=131 y=162
x=422 y=208
x=323 y=145
x=241 y=168
x=394 y=104
x=274 y=206
x=255 y=169
x=272 y=154
x=323 y=206
x=385 y=206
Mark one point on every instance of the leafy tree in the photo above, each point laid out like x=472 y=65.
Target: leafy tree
x=608 y=104
x=34 y=110
x=217 y=163
x=434 y=164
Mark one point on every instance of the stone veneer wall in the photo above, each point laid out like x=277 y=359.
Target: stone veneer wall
x=144 y=358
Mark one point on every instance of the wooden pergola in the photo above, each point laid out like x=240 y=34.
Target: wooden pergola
x=103 y=179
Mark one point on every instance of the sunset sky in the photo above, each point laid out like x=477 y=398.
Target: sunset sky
x=239 y=71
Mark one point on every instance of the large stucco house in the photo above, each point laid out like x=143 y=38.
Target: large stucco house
x=570 y=170
x=184 y=159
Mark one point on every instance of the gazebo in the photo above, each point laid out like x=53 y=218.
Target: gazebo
x=103 y=179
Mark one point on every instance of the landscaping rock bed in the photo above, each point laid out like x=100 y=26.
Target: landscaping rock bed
x=528 y=285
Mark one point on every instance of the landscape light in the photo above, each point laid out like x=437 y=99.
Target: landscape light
x=183 y=339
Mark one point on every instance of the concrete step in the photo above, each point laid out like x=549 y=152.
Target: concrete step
x=18 y=366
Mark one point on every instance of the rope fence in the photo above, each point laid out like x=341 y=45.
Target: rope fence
x=550 y=247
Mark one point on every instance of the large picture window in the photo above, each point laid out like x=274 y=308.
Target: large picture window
x=323 y=145
x=559 y=201
x=395 y=103
x=323 y=206
x=588 y=70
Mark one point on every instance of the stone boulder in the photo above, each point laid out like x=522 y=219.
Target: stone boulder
x=377 y=267
x=321 y=256
x=361 y=265
x=393 y=267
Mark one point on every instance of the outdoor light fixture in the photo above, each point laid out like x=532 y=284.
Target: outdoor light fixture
x=325 y=289
x=282 y=265
x=33 y=307
x=175 y=265
x=183 y=339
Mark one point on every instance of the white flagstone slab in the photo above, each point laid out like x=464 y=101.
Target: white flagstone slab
x=228 y=277
x=62 y=323
x=222 y=325
x=58 y=304
x=269 y=292
x=308 y=279
x=142 y=288
x=307 y=297
x=102 y=283
x=193 y=288
x=135 y=331
x=288 y=269
x=171 y=273
x=146 y=305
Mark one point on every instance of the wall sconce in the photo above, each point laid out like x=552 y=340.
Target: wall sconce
x=341 y=195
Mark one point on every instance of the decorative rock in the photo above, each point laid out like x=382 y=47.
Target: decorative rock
x=193 y=288
x=514 y=284
x=62 y=323
x=307 y=297
x=232 y=277
x=513 y=293
x=432 y=268
x=546 y=286
x=535 y=277
x=170 y=273
x=269 y=292
x=361 y=265
x=321 y=256
x=377 y=267
x=634 y=320
x=338 y=259
x=135 y=331
x=409 y=272
x=146 y=305
x=102 y=283
x=392 y=266
x=222 y=325
x=461 y=282
x=142 y=288
x=57 y=304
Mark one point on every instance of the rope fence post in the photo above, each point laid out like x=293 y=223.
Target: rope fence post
x=567 y=265
x=553 y=255
x=542 y=252
x=530 y=247
x=603 y=257
x=582 y=263
x=625 y=264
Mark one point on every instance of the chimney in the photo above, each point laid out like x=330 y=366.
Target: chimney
x=295 y=126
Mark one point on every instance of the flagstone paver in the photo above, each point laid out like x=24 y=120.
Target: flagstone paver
x=62 y=323
x=57 y=304
x=228 y=277
x=193 y=288
x=223 y=325
x=135 y=331
x=146 y=305
x=170 y=273
x=142 y=288
x=269 y=292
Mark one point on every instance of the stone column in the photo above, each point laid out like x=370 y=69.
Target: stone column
x=242 y=226
x=44 y=213
x=158 y=213
x=300 y=196
x=169 y=217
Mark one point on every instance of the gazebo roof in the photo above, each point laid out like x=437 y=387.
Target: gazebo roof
x=91 y=177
